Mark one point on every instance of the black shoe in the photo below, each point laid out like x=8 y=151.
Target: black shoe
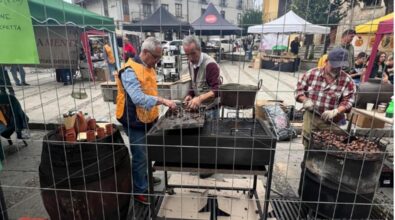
x=18 y=84
x=25 y=84
x=205 y=175
x=156 y=180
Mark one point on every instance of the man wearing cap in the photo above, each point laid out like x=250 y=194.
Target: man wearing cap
x=328 y=91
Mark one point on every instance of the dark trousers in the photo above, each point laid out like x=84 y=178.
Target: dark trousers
x=3 y=207
x=5 y=82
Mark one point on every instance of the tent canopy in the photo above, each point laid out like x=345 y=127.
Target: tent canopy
x=212 y=23
x=160 y=20
x=58 y=12
x=289 y=23
x=372 y=26
x=384 y=27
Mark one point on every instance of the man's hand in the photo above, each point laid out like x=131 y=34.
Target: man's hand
x=187 y=98
x=169 y=103
x=329 y=114
x=308 y=104
x=194 y=103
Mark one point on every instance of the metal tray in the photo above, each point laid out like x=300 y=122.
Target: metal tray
x=180 y=119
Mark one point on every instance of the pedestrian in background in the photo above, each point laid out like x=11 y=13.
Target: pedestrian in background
x=19 y=68
x=110 y=59
x=5 y=82
x=128 y=49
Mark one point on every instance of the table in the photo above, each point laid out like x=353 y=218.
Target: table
x=281 y=63
x=374 y=114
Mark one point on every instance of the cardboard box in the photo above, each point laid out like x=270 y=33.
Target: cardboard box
x=109 y=91
x=260 y=103
x=257 y=63
x=102 y=74
x=364 y=121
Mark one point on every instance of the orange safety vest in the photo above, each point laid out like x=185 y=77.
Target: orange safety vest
x=147 y=78
x=109 y=53
x=322 y=60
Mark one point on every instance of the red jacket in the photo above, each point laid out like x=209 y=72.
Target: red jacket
x=128 y=48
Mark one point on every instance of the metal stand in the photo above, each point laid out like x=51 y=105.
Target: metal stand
x=155 y=203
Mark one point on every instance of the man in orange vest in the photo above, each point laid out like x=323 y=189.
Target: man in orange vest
x=137 y=108
x=109 y=56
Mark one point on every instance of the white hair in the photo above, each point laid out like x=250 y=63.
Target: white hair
x=151 y=44
x=191 y=39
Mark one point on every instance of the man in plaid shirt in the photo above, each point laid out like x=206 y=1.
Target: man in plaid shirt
x=328 y=90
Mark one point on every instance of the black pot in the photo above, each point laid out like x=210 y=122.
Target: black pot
x=239 y=96
x=333 y=200
x=373 y=91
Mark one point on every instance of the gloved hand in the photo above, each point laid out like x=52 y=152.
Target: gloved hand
x=329 y=114
x=308 y=104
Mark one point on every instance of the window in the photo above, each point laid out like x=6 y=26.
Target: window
x=166 y=6
x=372 y=3
x=178 y=10
x=223 y=13
x=125 y=9
x=147 y=10
x=239 y=18
x=239 y=4
x=223 y=3
x=203 y=10
x=203 y=1
x=105 y=7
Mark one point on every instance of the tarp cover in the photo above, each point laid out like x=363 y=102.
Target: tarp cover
x=373 y=25
x=289 y=23
x=160 y=20
x=57 y=12
x=212 y=23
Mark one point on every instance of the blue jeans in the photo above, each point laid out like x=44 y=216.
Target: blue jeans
x=14 y=70
x=111 y=68
x=139 y=159
x=212 y=114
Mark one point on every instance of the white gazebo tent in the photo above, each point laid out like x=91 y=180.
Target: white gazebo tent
x=289 y=23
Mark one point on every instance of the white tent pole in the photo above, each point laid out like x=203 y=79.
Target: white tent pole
x=115 y=49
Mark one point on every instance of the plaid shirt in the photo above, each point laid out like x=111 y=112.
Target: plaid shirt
x=326 y=96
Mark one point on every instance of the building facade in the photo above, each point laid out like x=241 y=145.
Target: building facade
x=186 y=10
x=362 y=12
x=273 y=9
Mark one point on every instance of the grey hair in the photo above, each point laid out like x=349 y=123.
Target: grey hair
x=191 y=39
x=150 y=44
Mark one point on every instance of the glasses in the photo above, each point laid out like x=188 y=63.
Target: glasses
x=156 y=57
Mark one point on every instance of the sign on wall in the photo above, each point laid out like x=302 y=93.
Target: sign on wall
x=58 y=47
x=17 y=40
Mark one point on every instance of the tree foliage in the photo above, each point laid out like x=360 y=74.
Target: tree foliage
x=249 y=18
x=321 y=12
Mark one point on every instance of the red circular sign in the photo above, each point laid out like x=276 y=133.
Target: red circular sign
x=210 y=19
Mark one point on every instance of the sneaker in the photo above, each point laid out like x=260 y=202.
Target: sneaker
x=142 y=199
x=24 y=134
x=156 y=181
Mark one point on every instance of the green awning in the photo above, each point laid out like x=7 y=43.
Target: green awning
x=57 y=12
